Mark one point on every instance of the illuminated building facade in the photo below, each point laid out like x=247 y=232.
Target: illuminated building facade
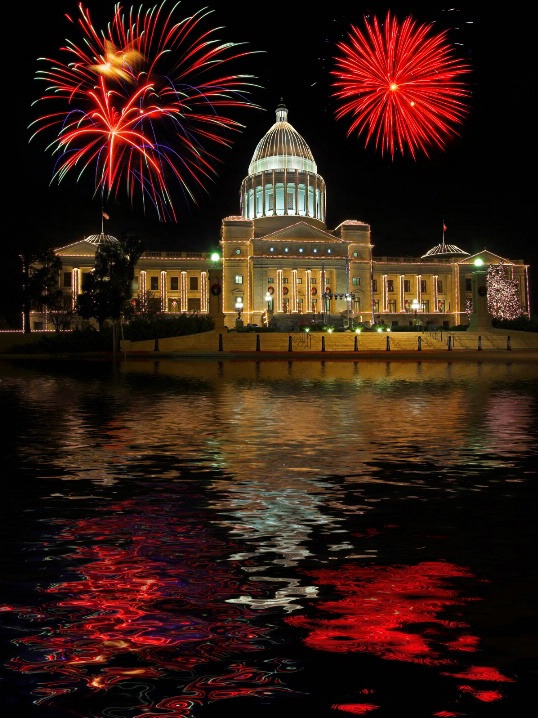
x=278 y=259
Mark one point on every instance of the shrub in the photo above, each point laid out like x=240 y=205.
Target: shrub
x=163 y=326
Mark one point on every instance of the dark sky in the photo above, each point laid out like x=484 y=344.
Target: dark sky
x=480 y=185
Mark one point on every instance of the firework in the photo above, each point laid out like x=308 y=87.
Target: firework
x=142 y=104
x=401 y=85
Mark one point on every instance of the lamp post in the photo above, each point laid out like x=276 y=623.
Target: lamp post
x=269 y=313
x=415 y=305
x=239 y=309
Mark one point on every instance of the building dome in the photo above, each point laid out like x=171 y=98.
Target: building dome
x=283 y=178
x=445 y=251
x=282 y=147
x=101 y=238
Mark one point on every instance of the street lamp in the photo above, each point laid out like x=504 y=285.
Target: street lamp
x=239 y=306
x=348 y=306
x=415 y=305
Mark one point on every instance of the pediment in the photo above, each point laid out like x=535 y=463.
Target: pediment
x=77 y=249
x=487 y=257
x=300 y=231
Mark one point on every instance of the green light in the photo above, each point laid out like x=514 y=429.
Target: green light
x=215 y=256
x=478 y=262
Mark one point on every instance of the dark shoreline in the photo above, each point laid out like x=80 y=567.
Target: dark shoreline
x=492 y=355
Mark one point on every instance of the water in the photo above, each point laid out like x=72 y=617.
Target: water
x=203 y=538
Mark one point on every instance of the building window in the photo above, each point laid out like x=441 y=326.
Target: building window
x=374 y=285
x=193 y=283
x=407 y=286
x=355 y=254
x=291 y=200
x=301 y=250
x=329 y=251
x=313 y=280
x=238 y=279
x=270 y=280
x=423 y=286
x=68 y=279
x=174 y=284
x=286 y=249
x=468 y=285
x=271 y=249
x=154 y=284
x=315 y=250
x=440 y=286
x=299 y=280
x=238 y=251
x=391 y=306
x=356 y=281
x=285 y=280
x=390 y=285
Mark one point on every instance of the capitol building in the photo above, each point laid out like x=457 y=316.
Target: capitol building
x=279 y=261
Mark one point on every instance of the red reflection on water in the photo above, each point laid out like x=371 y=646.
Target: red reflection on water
x=380 y=603
x=358 y=709
x=485 y=696
x=148 y=599
x=481 y=673
x=394 y=613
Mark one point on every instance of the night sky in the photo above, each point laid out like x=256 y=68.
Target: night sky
x=480 y=185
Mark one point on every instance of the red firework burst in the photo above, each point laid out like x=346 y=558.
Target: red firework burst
x=401 y=85
x=141 y=103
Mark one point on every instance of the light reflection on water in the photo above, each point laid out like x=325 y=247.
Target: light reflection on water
x=201 y=531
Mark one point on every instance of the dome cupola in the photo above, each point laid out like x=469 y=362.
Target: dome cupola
x=282 y=177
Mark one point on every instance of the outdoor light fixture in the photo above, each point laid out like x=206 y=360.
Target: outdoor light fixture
x=415 y=305
x=268 y=299
x=239 y=306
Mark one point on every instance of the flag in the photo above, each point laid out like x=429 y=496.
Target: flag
x=444 y=227
x=105 y=215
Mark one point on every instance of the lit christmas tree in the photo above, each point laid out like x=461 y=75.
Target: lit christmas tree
x=503 y=293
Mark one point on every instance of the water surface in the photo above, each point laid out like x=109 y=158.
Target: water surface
x=210 y=538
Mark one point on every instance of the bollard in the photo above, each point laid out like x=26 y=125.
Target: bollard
x=508 y=344
x=388 y=343
x=257 y=342
x=290 y=343
x=220 y=342
x=356 y=345
x=322 y=344
x=419 y=341
x=479 y=344
x=449 y=343
x=156 y=348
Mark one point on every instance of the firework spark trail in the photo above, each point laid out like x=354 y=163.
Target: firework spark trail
x=142 y=102
x=401 y=85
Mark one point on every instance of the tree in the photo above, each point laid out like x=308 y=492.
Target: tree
x=503 y=293
x=41 y=282
x=108 y=286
